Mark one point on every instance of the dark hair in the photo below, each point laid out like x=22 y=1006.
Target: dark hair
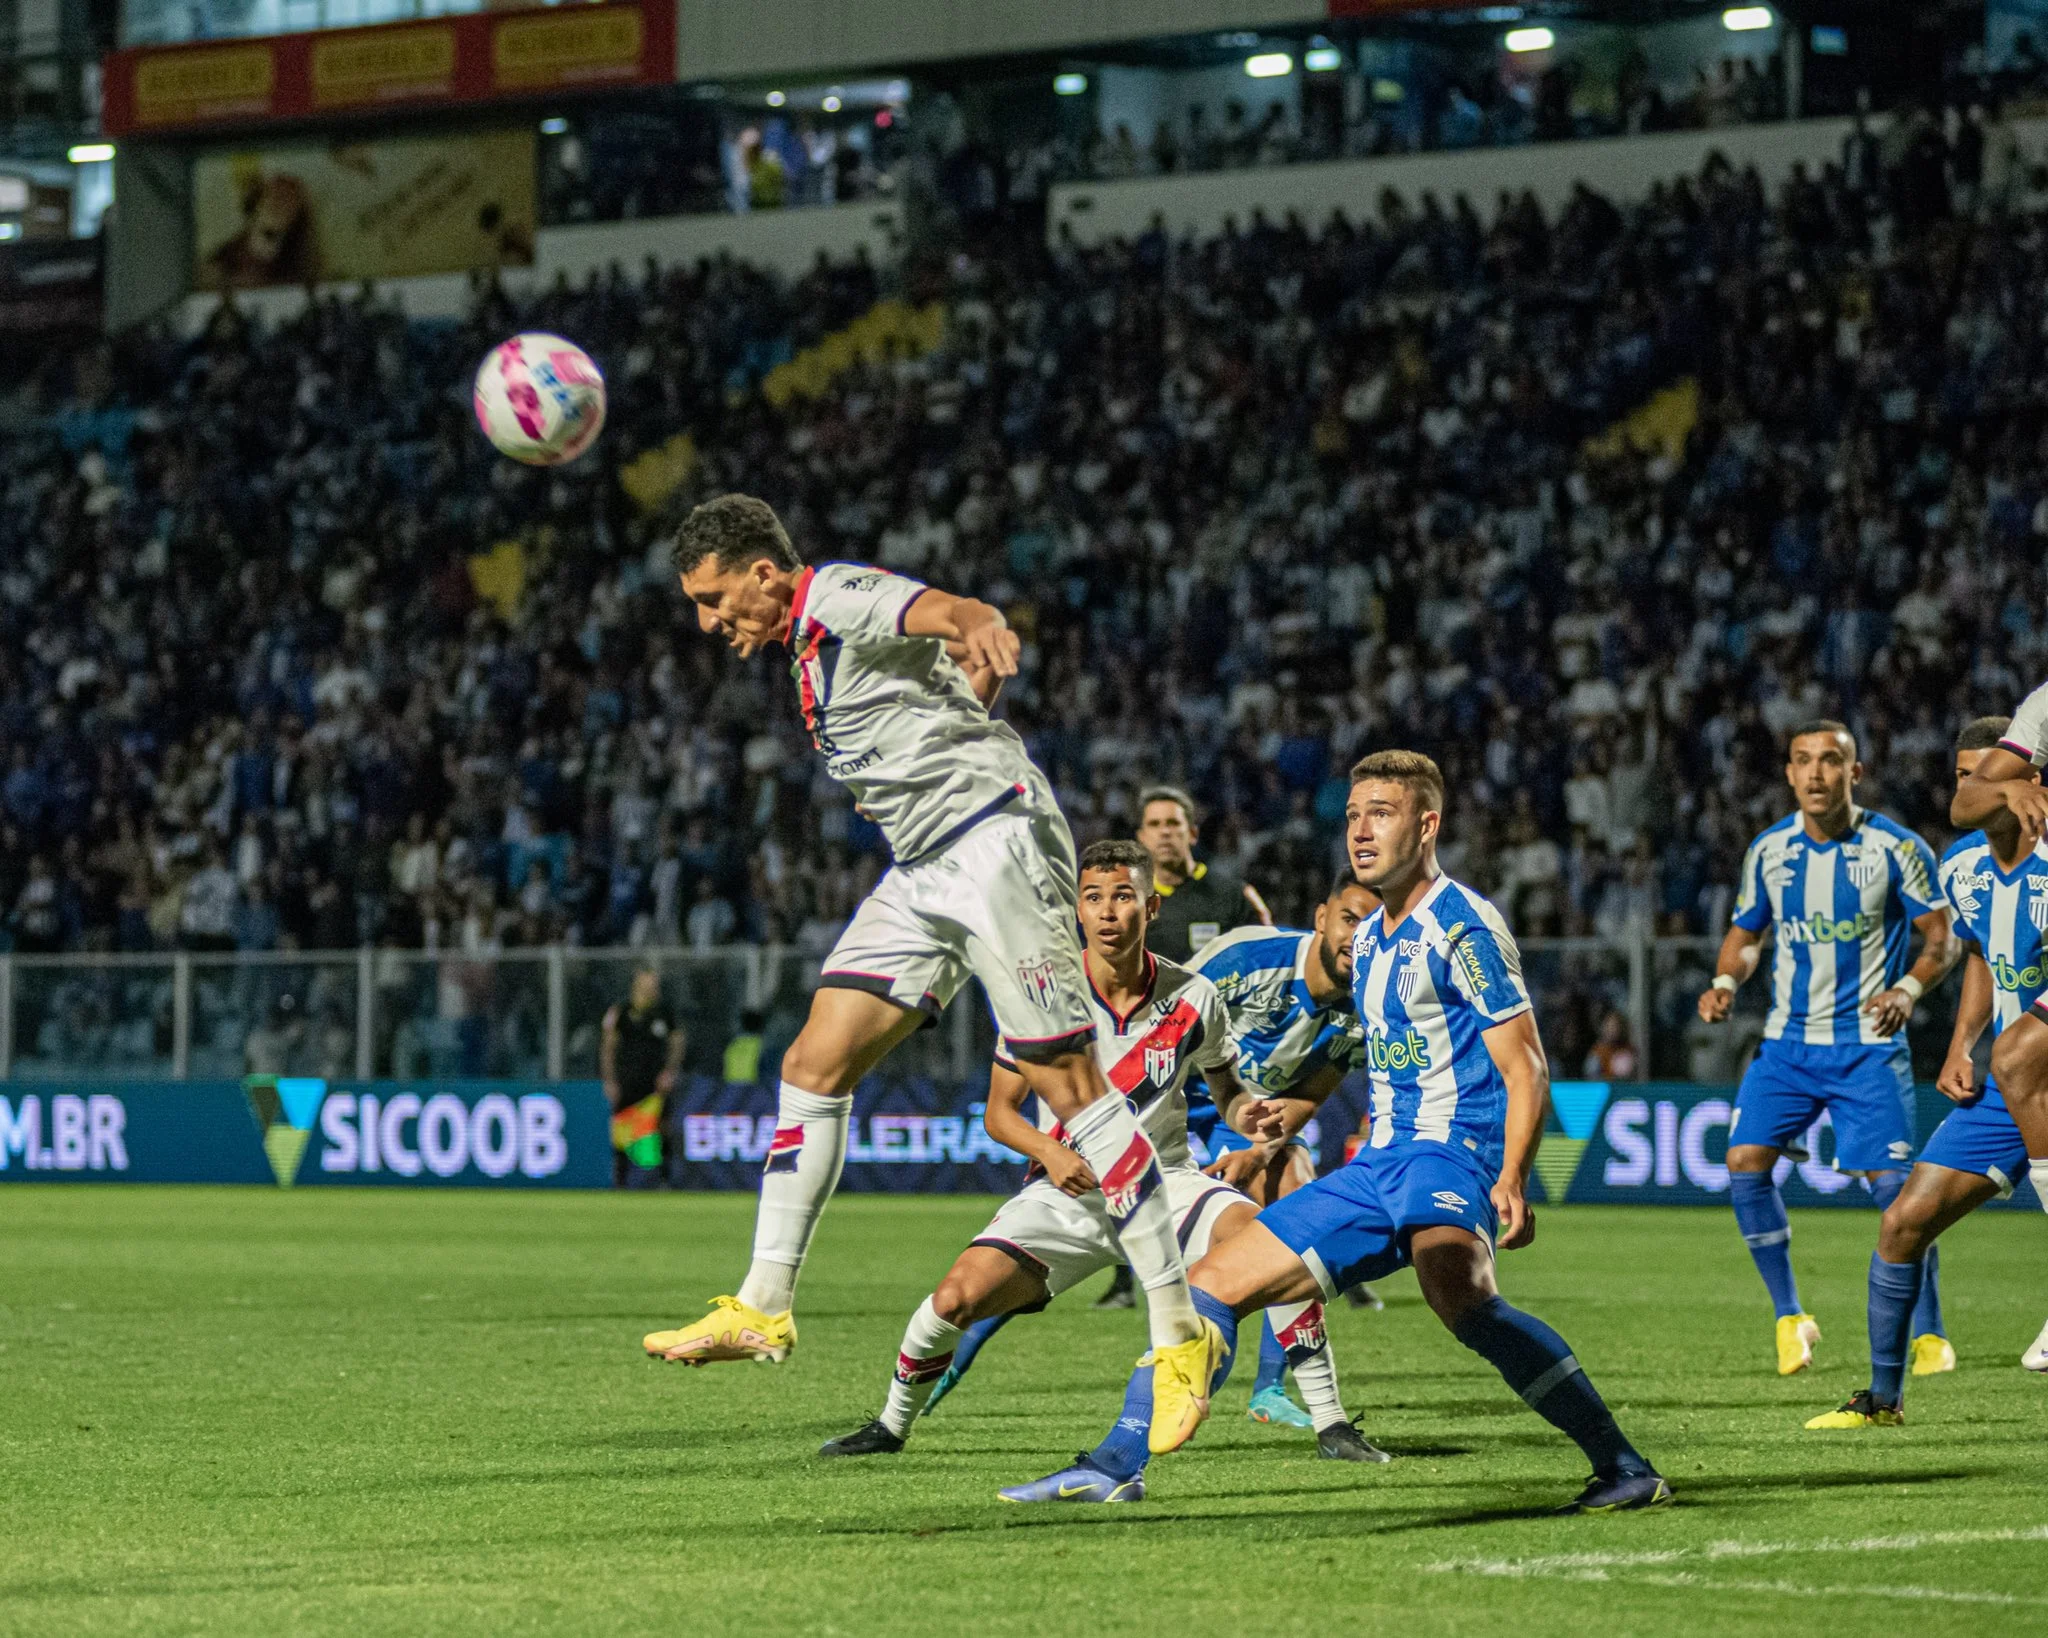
x=1412 y=769
x=1115 y=853
x=734 y=530
x=1983 y=734
x=1344 y=880
x=1165 y=793
x=1821 y=725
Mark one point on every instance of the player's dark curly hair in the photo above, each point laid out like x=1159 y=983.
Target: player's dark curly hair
x=1114 y=853
x=734 y=530
x=1983 y=734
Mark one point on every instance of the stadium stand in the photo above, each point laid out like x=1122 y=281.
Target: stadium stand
x=291 y=661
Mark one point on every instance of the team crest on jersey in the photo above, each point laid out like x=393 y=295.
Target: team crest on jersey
x=1036 y=977
x=1405 y=985
x=1865 y=868
x=1159 y=1064
x=2037 y=910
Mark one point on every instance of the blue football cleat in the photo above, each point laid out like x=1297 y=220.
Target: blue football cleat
x=1623 y=1493
x=1272 y=1405
x=949 y=1379
x=1082 y=1482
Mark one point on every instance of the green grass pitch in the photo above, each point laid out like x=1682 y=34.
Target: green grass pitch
x=359 y=1412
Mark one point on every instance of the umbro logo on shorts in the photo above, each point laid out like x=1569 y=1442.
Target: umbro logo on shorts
x=1449 y=1201
x=1901 y=1151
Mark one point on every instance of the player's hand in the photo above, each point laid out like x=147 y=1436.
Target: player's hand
x=1238 y=1167
x=1716 y=1003
x=2028 y=803
x=1889 y=1010
x=1263 y=1118
x=1957 y=1081
x=1070 y=1174
x=992 y=648
x=1517 y=1216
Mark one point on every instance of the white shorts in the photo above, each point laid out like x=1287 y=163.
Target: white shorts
x=1001 y=902
x=1066 y=1239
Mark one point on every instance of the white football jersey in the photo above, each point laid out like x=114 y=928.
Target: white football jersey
x=2028 y=734
x=896 y=720
x=1148 y=1053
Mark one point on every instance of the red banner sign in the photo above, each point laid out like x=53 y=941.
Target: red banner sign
x=475 y=58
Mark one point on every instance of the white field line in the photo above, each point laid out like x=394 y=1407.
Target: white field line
x=1688 y=1579
x=1717 y=1551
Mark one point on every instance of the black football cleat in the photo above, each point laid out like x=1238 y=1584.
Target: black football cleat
x=869 y=1439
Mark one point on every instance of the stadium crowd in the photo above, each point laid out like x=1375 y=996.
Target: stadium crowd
x=288 y=658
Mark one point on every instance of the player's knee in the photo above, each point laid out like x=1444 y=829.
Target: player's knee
x=1751 y=1157
x=817 y=1066
x=956 y=1301
x=2017 y=1064
x=1906 y=1231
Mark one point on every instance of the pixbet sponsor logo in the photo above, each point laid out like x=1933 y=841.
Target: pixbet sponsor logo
x=86 y=1133
x=1397 y=1052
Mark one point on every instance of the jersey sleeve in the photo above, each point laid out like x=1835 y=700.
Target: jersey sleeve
x=859 y=605
x=1962 y=904
x=1916 y=867
x=1003 y=1056
x=1486 y=969
x=1752 y=903
x=2027 y=734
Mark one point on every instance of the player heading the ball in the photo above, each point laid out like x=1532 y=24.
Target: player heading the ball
x=895 y=679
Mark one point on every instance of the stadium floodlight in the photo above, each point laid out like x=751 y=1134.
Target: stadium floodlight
x=1069 y=85
x=90 y=153
x=1529 y=39
x=1742 y=19
x=831 y=105
x=1322 y=59
x=553 y=127
x=776 y=99
x=10 y=230
x=1269 y=65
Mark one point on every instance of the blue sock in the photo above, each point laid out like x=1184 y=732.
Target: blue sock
x=1125 y=1452
x=973 y=1337
x=1884 y=1189
x=1272 y=1357
x=1539 y=1366
x=1760 y=1214
x=1894 y=1288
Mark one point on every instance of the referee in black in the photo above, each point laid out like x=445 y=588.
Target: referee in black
x=639 y=1055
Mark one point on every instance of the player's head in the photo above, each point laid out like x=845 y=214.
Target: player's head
x=738 y=567
x=1392 y=818
x=646 y=986
x=1346 y=904
x=1117 y=897
x=1979 y=736
x=1821 y=766
x=1166 y=827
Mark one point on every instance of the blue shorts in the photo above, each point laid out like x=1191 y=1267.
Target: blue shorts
x=1866 y=1090
x=1354 y=1224
x=1980 y=1137
x=1217 y=1139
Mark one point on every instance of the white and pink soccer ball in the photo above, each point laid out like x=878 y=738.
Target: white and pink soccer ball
x=539 y=399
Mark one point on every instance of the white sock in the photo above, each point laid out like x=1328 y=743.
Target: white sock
x=1299 y=1328
x=802 y=1171
x=926 y=1352
x=1121 y=1156
x=2037 y=1169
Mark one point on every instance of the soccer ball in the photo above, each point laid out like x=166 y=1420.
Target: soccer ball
x=539 y=399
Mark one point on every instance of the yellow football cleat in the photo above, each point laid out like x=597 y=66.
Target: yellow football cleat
x=1861 y=1411
x=1932 y=1355
x=732 y=1330
x=1797 y=1333
x=1180 y=1387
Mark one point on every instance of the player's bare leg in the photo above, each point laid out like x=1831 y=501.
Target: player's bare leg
x=2019 y=1064
x=847 y=1034
x=982 y=1283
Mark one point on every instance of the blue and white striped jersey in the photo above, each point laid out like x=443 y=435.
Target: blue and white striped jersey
x=2005 y=916
x=1844 y=911
x=1427 y=992
x=1283 y=1039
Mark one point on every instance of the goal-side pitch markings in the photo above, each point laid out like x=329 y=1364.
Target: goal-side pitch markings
x=1601 y=1566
